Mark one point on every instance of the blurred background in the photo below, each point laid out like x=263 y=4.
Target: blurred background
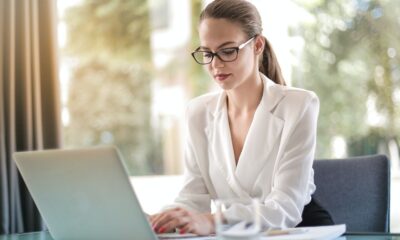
x=126 y=75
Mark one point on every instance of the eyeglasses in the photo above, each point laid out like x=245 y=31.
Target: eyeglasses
x=225 y=54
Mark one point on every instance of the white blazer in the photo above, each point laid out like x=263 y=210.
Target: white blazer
x=275 y=164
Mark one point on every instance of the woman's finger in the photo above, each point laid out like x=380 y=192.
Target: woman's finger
x=187 y=228
x=173 y=224
x=152 y=217
x=164 y=218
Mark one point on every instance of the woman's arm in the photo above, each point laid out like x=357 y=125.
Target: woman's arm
x=194 y=194
x=191 y=210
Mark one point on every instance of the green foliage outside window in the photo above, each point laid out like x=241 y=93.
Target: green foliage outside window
x=352 y=55
x=110 y=90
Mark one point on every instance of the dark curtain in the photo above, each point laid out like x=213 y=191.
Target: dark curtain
x=29 y=101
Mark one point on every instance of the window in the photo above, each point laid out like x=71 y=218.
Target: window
x=127 y=74
x=122 y=79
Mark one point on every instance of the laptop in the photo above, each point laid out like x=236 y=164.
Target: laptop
x=84 y=194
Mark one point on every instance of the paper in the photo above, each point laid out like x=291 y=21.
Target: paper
x=242 y=229
x=309 y=233
x=172 y=236
x=304 y=233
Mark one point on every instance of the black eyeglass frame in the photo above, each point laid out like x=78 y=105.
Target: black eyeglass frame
x=213 y=54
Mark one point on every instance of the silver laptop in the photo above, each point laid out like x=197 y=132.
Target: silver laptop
x=84 y=194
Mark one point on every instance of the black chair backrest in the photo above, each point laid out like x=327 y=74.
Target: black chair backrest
x=355 y=191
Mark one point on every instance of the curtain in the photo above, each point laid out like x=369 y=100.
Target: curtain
x=29 y=101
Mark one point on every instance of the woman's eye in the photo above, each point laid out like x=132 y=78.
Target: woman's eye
x=207 y=55
x=227 y=52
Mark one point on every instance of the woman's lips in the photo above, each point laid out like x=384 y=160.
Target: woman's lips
x=221 y=77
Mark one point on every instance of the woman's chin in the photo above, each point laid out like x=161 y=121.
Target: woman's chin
x=225 y=86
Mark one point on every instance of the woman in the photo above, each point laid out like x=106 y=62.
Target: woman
x=255 y=139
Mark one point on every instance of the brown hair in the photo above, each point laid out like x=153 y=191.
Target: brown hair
x=246 y=14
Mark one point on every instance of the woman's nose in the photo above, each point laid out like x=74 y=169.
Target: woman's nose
x=217 y=63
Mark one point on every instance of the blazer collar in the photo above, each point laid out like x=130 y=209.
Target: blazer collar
x=272 y=94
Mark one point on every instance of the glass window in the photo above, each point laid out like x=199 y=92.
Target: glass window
x=126 y=75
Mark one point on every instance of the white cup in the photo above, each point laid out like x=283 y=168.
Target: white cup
x=237 y=219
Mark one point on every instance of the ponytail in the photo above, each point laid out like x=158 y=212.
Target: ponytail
x=269 y=65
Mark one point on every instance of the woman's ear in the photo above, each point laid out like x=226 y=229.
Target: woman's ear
x=259 y=44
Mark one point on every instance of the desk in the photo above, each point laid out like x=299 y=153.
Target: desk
x=46 y=236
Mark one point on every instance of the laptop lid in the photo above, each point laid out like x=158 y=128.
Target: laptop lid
x=84 y=194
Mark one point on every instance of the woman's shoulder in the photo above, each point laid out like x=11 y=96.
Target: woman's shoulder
x=297 y=96
x=203 y=103
x=292 y=102
x=288 y=94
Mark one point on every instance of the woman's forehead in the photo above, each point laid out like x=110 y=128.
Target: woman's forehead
x=214 y=32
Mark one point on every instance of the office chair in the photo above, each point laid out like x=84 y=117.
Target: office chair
x=355 y=191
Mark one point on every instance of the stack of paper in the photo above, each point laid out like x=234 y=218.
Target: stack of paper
x=310 y=233
x=304 y=233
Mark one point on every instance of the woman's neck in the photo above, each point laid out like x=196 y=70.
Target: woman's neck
x=245 y=98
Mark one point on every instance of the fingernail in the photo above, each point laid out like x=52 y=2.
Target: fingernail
x=161 y=230
x=182 y=231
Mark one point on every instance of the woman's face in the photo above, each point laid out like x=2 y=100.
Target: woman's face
x=217 y=34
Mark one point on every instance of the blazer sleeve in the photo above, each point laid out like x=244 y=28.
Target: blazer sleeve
x=194 y=194
x=283 y=206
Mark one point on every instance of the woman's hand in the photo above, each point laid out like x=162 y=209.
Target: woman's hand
x=186 y=221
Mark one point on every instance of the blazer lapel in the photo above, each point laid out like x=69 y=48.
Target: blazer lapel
x=221 y=150
x=264 y=133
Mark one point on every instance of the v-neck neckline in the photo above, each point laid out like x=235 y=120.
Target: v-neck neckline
x=249 y=134
x=245 y=138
